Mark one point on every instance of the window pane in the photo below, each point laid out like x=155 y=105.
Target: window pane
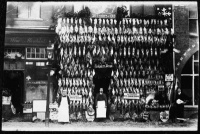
x=187 y=69
x=32 y=55
x=42 y=50
x=37 y=50
x=28 y=49
x=196 y=90
x=11 y=10
x=193 y=26
x=34 y=9
x=37 y=55
x=186 y=86
x=186 y=82
x=32 y=49
x=28 y=55
x=42 y=56
x=196 y=56
x=193 y=10
x=23 y=10
x=196 y=67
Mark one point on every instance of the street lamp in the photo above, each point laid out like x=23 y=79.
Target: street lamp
x=50 y=57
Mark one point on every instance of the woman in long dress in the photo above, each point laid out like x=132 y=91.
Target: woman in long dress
x=63 y=110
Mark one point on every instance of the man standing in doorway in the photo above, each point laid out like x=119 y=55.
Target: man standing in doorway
x=100 y=97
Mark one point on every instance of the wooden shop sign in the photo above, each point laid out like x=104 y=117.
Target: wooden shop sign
x=132 y=96
x=103 y=66
x=104 y=16
x=27 y=40
x=36 y=82
x=75 y=97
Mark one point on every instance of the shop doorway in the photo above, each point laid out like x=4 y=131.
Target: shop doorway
x=14 y=81
x=102 y=80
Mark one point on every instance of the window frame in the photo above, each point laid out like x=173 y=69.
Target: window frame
x=193 y=81
x=45 y=53
x=197 y=26
x=29 y=18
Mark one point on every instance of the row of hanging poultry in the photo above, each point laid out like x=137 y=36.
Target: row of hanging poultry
x=111 y=26
x=135 y=56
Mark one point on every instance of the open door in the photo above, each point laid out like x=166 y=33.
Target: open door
x=14 y=80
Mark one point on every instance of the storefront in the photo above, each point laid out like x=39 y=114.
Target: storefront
x=125 y=56
x=129 y=51
x=25 y=59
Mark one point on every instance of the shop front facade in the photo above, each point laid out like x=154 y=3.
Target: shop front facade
x=123 y=55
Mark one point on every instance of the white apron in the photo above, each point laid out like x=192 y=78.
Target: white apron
x=63 y=110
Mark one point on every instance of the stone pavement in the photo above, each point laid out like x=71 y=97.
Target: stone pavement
x=190 y=125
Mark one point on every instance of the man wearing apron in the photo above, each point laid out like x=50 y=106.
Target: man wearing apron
x=101 y=97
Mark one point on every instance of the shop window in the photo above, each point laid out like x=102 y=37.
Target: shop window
x=196 y=67
x=193 y=10
x=196 y=90
x=193 y=26
x=188 y=67
x=13 y=53
x=36 y=53
x=190 y=79
x=36 y=71
x=196 y=56
x=193 y=19
x=186 y=82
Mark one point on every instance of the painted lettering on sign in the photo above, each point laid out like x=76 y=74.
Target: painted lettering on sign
x=75 y=97
x=131 y=96
x=36 y=82
x=36 y=40
x=103 y=16
x=15 y=40
x=29 y=40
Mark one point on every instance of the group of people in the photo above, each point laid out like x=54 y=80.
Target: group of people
x=64 y=103
x=176 y=110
